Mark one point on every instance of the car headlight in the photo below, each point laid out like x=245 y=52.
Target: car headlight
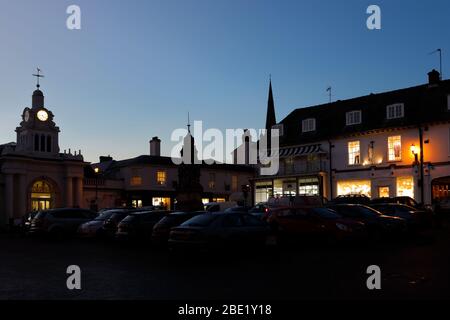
x=342 y=227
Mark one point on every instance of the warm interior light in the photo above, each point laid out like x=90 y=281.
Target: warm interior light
x=96 y=170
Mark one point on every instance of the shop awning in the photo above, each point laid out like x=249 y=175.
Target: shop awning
x=298 y=151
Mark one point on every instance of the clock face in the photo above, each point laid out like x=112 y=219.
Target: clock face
x=42 y=115
x=27 y=116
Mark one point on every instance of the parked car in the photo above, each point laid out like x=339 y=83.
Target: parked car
x=161 y=230
x=60 y=222
x=259 y=210
x=297 y=201
x=416 y=218
x=401 y=200
x=351 y=198
x=94 y=228
x=26 y=221
x=109 y=228
x=219 y=206
x=220 y=230
x=318 y=223
x=139 y=225
x=240 y=209
x=376 y=223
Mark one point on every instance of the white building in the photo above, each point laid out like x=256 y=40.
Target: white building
x=394 y=143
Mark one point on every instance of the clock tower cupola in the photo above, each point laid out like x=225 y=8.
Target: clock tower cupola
x=38 y=133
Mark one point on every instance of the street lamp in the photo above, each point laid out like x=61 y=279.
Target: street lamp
x=415 y=153
x=97 y=171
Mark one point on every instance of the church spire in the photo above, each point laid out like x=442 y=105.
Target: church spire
x=270 y=118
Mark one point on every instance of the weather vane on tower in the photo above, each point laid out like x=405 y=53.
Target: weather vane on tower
x=38 y=75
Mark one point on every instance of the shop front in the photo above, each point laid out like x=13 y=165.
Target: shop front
x=289 y=186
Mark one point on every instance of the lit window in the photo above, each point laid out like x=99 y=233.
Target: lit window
x=395 y=111
x=448 y=102
x=161 y=178
x=405 y=187
x=234 y=183
x=354 y=153
x=136 y=181
x=212 y=181
x=309 y=125
x=136 y=203
x=395 y=148
x=278 y=127
x=353 y=117
x=361 y=187
x=383 y=192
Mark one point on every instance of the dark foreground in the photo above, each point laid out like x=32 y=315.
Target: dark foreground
x=36 y=269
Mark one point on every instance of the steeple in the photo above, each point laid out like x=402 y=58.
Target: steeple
x=270 y=118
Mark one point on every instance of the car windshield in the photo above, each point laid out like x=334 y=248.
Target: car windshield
x=104 y=215
x=203 y=220
x=326 y=213
x=368 y=212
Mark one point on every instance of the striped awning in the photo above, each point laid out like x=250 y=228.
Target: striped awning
x=298 y=151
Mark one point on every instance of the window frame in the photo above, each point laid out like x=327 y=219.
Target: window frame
x=308 y=125
x=350 y=115
x=351 y=153
x=395 y=114
x=393 y=148
x=161 y=182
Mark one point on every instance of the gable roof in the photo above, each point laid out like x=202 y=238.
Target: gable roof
x=422 y=105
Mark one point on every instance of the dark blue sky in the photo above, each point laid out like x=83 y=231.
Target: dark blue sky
x=136 y=68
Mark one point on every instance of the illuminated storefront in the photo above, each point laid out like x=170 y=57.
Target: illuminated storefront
x=405 y=187
x=354 y=187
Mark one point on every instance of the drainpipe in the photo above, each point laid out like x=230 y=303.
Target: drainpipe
x=331 y=168
x=421 y=165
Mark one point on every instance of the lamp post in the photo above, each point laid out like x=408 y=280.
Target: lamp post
x=415 y=151
x=97 y=171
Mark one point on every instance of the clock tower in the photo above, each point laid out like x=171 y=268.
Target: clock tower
x=37 y=133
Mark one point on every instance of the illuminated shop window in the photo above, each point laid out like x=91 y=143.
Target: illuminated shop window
x=308 y=186
x=405 y=187
x=383 y=192
x=263 y=191
x=136 y=203
x=354 y=153
x=395 y=148
x=354 y=187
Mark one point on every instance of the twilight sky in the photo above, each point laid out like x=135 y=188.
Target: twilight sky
x=137 y=67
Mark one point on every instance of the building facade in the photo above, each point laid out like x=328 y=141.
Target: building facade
x=394 y=143
x=34 y=175
x=152 y=180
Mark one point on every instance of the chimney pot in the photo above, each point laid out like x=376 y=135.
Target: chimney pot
x=434 y=77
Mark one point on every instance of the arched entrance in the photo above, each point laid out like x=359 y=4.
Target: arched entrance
x=42 y=195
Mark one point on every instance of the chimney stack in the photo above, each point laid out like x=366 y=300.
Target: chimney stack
x=434 y=77
x=155 y=147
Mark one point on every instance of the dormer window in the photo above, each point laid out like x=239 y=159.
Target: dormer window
x=309 y=125
x=280 y=128
x=395 y=111
x=353 y=117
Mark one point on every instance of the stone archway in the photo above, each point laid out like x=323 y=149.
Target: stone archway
x=42 y=194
